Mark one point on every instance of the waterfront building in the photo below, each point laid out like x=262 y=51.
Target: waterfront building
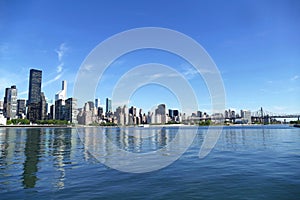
x=43 y=107
x=87 y=115
x=10 y=102
x=65 y=109
x=97 y=103
x=100 y=112
x=1 y=107
x=246 y=116
x=34 y=95
x=199 y=114
x=120 y=116
x=62 y=94
x=60 y=109
x=150 y=117
x=3 y=119
x=49 y=103
x=71 y=110
x=21 y=108
x=51 y=114
x=160 y=114
x=60 y=98
x=171 y=114
x=108 y=106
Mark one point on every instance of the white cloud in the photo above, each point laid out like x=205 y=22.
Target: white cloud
x=87 y=67
x=190 y=73
x=59 y=67
x=295 y=78
x=61 y=51
x=52 y=80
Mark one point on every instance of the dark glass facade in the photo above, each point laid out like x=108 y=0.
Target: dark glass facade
x=35 y=111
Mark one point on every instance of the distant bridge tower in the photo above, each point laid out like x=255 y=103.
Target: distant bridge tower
x=261 y=115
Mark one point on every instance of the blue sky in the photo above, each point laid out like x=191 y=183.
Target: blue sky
x=255 y=45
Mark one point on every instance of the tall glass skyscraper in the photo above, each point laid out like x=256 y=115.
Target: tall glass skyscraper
x=35 y=85
x=34 y=96
x=108 y=105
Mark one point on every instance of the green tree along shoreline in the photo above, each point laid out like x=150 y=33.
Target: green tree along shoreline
x=295 y=122
x=18 y=121
x=26 y=121
x=205 y=123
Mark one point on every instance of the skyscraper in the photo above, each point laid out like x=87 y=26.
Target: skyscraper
x=60 y=98
x=160 y=113
x=62 y=94
x=108 y=106
x=21 y=108
x=71 y=110
x=35 y=85
x=97 y=103
x=10 y=102
x=34 y=95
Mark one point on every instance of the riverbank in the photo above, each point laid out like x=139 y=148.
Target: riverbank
x=35 y=126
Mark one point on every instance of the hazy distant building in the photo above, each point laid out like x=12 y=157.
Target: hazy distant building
x=171 y=114
x=160 y=114
x=99 y=112
x=10 y=102
x=108 y=106
x=34 y=111
x=97 y=103
x=246 y=116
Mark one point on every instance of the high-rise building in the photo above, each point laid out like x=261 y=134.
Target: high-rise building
x=160 y=114
x=108 y=105
x=10 y=102
x=71 y=110
x=1 y=106
x=60 y=109
x=21 y=108
x=35 y=85
x=97 y=103
x=2 y=118
x=100 y=111
x=62 y=94
x=34 y=111
x=52 y=112
x=43 y=107
x=171 y=114
x=246 y=116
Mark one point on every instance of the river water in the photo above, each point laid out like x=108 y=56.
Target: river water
x=254 y=162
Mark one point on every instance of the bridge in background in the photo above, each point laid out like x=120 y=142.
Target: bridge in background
x=262 y=115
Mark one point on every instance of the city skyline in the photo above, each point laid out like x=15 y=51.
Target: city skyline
x=255 y=45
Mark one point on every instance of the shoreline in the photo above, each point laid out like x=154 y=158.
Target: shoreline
x=35 y=126
x=144 y=126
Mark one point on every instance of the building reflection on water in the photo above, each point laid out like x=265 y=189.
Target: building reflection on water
x=30 y=153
